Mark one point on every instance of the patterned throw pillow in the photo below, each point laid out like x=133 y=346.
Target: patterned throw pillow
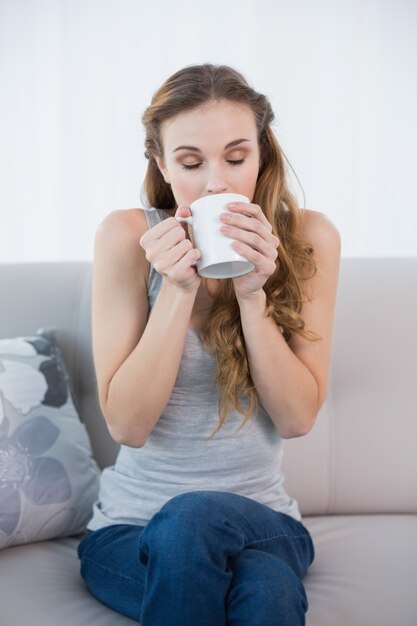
x=48 y=477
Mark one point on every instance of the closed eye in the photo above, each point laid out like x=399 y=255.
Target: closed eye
x=197 y=165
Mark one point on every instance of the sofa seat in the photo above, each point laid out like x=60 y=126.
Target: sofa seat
x=352 y=582
x=48 y=589
x=363 y=574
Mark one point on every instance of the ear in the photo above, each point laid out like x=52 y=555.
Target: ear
x=161 y=165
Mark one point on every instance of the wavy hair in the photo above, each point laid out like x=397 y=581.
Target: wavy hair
x=187 y=89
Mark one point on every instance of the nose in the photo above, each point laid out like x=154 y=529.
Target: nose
x=218 y=189
x=216 y=183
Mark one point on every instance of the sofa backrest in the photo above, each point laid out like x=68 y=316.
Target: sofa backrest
x=361 y=455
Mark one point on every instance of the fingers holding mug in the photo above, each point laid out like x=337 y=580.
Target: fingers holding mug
x=184 y=217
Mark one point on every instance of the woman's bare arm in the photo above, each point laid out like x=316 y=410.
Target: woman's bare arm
x=136 y=360
x=291 y=378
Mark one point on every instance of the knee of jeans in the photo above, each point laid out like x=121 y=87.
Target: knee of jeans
x=265 y=576
x=176 y=525
x=196 y=505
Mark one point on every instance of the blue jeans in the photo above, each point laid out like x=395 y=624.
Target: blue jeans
x=207 y=558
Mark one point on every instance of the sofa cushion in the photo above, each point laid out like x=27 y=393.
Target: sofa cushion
x=50 y=590
x=362 y=575
x=48 y=477
x=364 y=572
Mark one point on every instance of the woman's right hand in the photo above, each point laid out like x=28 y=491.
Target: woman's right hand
x=169 y=249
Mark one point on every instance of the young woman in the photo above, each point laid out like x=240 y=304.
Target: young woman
x=200 y=381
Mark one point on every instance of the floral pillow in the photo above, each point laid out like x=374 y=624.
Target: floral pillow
x=48 y=477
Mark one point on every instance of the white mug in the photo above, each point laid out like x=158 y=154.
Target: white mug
x=218 y=259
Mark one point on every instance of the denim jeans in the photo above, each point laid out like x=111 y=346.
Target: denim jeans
x=207 y=558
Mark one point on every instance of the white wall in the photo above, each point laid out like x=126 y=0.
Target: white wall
x=76 y=75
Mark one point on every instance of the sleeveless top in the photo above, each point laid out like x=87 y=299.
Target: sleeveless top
x=178 y=457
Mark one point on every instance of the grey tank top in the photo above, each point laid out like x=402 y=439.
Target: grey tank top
x=178 y=457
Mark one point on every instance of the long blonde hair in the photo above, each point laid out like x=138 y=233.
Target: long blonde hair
x=187 y=89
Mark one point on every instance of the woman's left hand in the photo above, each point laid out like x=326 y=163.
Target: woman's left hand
x=254 y=240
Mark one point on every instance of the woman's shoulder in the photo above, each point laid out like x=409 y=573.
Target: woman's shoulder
x=317 y=228
x=124 y=222
x=117 y=239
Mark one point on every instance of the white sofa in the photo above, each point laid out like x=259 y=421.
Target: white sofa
x=354 y=474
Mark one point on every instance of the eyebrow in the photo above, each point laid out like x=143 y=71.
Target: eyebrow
x=194 y=149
